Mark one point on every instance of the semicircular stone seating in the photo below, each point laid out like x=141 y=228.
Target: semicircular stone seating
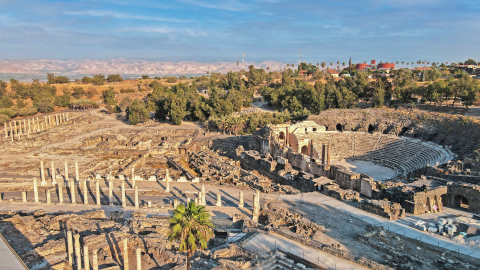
x=402 y=154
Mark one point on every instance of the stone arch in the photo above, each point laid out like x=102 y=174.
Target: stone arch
x=304 y=150
x=404 y=130
x=461 y=201
x=371 y=129
x=339 y=127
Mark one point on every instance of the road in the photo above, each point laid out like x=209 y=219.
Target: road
x=401 y=226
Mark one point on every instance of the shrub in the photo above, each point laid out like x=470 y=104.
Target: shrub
x=172 y=79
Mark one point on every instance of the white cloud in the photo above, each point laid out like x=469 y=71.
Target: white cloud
x=101 y=13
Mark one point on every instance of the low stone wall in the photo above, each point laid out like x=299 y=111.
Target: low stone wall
x=230 y=143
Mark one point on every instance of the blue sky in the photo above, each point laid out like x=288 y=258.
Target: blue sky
x=407 y=30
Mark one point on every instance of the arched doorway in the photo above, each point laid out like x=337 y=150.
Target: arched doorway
x=339 y=127
x=282 y=135
x=461 y=202
x=259 y=146
x=304 y=150
x=371 y=129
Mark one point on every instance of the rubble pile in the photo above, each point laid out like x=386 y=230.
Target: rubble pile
x=284 y=219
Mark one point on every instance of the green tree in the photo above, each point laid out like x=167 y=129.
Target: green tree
x=145 y=77
x=78 y=92
x=114 y=78
x=98 y=79
x=6 y=102
x=50 y=78
x=20 y=104
x=44 y=105
x=64 y=100
x=109 y=96
x=137 y=112
x=323 y=65
x=470 y=62
x=192 y=227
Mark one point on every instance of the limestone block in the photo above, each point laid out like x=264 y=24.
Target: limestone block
x=152 y=178
x=196 y=180
x=182 y=179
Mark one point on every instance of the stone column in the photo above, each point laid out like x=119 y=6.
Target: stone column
x=78 y=253
x=125 y=254
x=86 y=261
x=199 y=199
x=66 y=171
x=29 y=125
x=110 y=191
x=15 y=128
x=167 y=180
x=24 y=196
x=49 y=198
x=97 y=187
x=139 y=259
x=11 y=131
x=204 y=202
x=60 y=193
x=42 y=174
x=72 y=191
x=56 y=120
x=24 y=126
x=240 y=200
x=38 y=125
x=136 y=196
x=95 y=260
x=70 y=248
x=77 y=178
x=124 y=202
x=133 y=176
x=52 y=173
x=219 y=200
x=35 y=190
x=256 y=205
x=6 y=131
x=328 y=154
x=67 y=116
x=85 y=192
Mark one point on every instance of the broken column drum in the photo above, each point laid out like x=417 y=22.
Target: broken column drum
x=240 y=200
x=35 y=190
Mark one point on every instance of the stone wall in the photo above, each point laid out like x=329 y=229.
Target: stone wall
x=469 y=193
x=385 y=209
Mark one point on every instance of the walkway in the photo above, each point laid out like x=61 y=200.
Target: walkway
x=401 y=226
x=262 y=243
x=8 y=259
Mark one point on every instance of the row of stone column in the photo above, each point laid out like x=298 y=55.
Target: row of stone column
x=53 y=174
x=73 y=186
x=33 y=126
x=77 y=258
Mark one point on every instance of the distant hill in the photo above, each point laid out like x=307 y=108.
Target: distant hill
x=125 y=66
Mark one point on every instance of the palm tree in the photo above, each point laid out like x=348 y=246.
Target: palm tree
x=268 y=68
x=323 y=65
x=192 y=227
x=331 y=64
x=403 y=63
x=364 y=62
x=343 y=63
x=338 y=62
